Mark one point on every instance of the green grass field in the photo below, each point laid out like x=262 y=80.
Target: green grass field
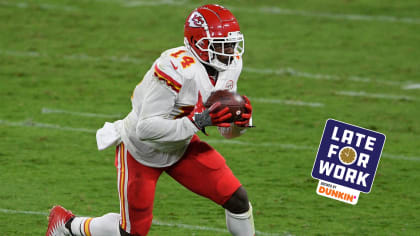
x=357 y=61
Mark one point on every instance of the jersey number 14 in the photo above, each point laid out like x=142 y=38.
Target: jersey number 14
x=186 y=60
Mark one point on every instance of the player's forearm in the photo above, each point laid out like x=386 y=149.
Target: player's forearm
x=159 y=129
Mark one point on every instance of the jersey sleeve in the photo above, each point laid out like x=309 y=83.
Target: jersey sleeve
x=154 y=123
x=165 y=70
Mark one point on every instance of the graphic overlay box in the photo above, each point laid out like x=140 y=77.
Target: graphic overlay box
x=348 y=156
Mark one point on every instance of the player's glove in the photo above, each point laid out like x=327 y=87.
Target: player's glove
x=246 y=116
x=212 y=116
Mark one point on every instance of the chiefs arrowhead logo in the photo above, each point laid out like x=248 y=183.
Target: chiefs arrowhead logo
x=196 y=20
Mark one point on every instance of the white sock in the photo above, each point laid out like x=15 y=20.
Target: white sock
x=107 y=225
x=240 y=224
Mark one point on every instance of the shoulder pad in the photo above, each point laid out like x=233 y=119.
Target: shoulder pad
x=182 y=61
x=175 y=66
x=165 y=70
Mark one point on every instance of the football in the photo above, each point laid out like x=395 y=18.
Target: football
x=232 y=100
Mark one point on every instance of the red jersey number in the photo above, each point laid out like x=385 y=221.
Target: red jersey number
x=187 y=61
x=176 y=54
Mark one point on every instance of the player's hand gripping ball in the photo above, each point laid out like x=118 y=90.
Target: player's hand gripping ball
x=232 y=100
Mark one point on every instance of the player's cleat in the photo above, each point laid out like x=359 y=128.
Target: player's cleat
x=56 y=221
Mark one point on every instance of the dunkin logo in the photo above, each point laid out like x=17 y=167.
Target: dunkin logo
x=336 y=194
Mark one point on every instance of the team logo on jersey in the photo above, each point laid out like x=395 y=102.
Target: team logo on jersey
x=196 y=20
x=346 y=162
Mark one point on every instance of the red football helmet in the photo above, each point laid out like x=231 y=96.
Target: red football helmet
x=209 y=27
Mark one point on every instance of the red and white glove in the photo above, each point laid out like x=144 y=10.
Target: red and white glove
x=246 y=116
x=202 y=117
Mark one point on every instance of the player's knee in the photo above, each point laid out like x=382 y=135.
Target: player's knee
x=238 y=202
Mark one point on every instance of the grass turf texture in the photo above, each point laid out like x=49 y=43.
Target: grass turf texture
x=87 y=56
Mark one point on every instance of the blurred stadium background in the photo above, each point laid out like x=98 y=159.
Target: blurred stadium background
x=67 y=66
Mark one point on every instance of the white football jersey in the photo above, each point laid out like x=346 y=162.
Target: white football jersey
x=157 y=131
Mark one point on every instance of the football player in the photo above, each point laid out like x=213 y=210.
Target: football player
x=158 y=135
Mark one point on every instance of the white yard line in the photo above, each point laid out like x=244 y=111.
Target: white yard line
x=74 y=57
x=153 y=3
x=375 y=95
x=411 y=86
x=144 y=3
x=293 y=72
x=85 y=114
x=265 y=71
x=9 y=211
x=400 y=157
x=328 y=15
x=155 y=222
x=286 y=102
x=30 y=123
x=53 y=7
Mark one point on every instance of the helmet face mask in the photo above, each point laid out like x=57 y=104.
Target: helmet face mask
x=212 y=35
x=222 y=50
